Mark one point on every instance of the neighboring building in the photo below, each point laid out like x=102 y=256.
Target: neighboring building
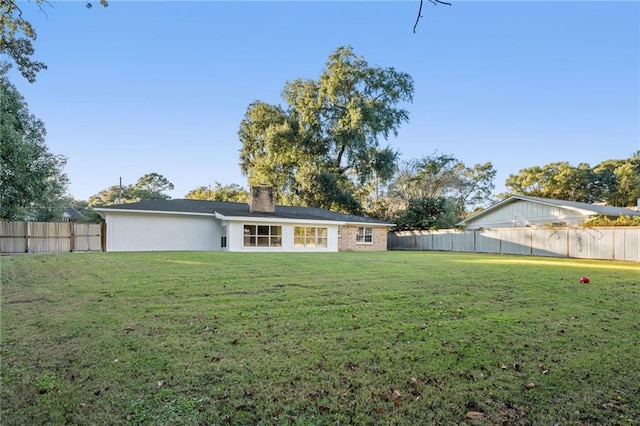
x=70 y=214
x=168 y=225
x=520 y=211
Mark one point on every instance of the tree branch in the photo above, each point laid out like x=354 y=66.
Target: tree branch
x=435 y=3
x=418 y=18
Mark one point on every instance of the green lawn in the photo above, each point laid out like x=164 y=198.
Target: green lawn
x=400 y=338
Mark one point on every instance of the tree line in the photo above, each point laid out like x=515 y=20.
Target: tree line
x=325 y=146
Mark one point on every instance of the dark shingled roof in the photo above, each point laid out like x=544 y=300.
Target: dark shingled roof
x=230 y=209
x=73 y=214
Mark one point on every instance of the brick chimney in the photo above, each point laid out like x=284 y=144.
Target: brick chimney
x=262 y=199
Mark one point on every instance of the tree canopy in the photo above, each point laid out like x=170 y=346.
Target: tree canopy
x=32 y=178
x=615 y=182
x=431 y=178
x=219 y=192
x=151 y=186
x=427 y=213
x=323 y=149
x=17 y=36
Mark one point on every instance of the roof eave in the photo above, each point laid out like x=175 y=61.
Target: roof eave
x=108 y=210
x=276 y=219
x=388 y=225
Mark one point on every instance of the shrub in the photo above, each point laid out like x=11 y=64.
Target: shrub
x=619 y=221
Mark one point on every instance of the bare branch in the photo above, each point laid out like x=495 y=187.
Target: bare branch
x=418 y=18
x=435 y=3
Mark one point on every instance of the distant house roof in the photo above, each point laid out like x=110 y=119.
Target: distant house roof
x=70 y=213
x=585 y=209
x=230 y=210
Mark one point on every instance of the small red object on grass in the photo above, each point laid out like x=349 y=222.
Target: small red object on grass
x=584 y=280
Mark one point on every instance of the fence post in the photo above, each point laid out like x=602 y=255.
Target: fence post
x=26 y=237
x=103 y=236
x=613 y=244
x=531 y=242
x=72 y=236
x=474 y=241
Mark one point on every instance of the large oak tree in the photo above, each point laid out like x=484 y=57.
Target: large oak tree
x=323 y=149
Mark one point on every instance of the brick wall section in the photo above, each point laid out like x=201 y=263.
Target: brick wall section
x=262 y=199
x=347 y=241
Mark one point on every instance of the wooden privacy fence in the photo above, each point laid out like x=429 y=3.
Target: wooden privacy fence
x=50 y=237
x=612 y=243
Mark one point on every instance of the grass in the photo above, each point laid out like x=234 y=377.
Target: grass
x=312 y=339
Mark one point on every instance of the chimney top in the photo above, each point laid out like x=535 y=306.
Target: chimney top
x=262 y=199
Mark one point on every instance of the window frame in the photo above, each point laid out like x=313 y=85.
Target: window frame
x=310 y=237
x=223 y=236
x=364 y=235
x=261 y=236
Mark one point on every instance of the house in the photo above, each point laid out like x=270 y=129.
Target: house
x=519 y=211
x=260 y=225
x=70 y=214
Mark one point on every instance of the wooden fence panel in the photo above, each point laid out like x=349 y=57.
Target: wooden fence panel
x=50 y=237
x=514 y=241
x=613 y=243
x=87 y=237
x=13 y=237
x=464 y=241
x=591 y=243
x=549 y=242
x=487 y=241
x=627 y=244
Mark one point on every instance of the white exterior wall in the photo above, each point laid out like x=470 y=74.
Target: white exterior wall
x=526 y=213
x=235 y=237
x=161 y=232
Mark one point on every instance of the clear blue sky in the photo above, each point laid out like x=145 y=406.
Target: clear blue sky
x=161 y=87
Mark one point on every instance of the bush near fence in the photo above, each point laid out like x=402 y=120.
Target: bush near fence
x=612 y=243
x=50 y=237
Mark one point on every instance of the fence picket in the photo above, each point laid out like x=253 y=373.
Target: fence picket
x=50 y=237
x=611 y=243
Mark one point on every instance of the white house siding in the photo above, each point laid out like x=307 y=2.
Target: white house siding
x=161 y=232
x=235 y=237
x=525 y=213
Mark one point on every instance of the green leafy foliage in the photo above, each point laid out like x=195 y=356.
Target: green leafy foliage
x=607 y=221
x=426 y=213
x=435 y=191
x=17 y=36
x=32 y=178
x=220 y=192
x=151 y=186
x=616 y=182
x=324 y=149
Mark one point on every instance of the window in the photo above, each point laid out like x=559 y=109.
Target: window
x=309 y=236
x=223 y=237
x=364 y=235
x=262 y=236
